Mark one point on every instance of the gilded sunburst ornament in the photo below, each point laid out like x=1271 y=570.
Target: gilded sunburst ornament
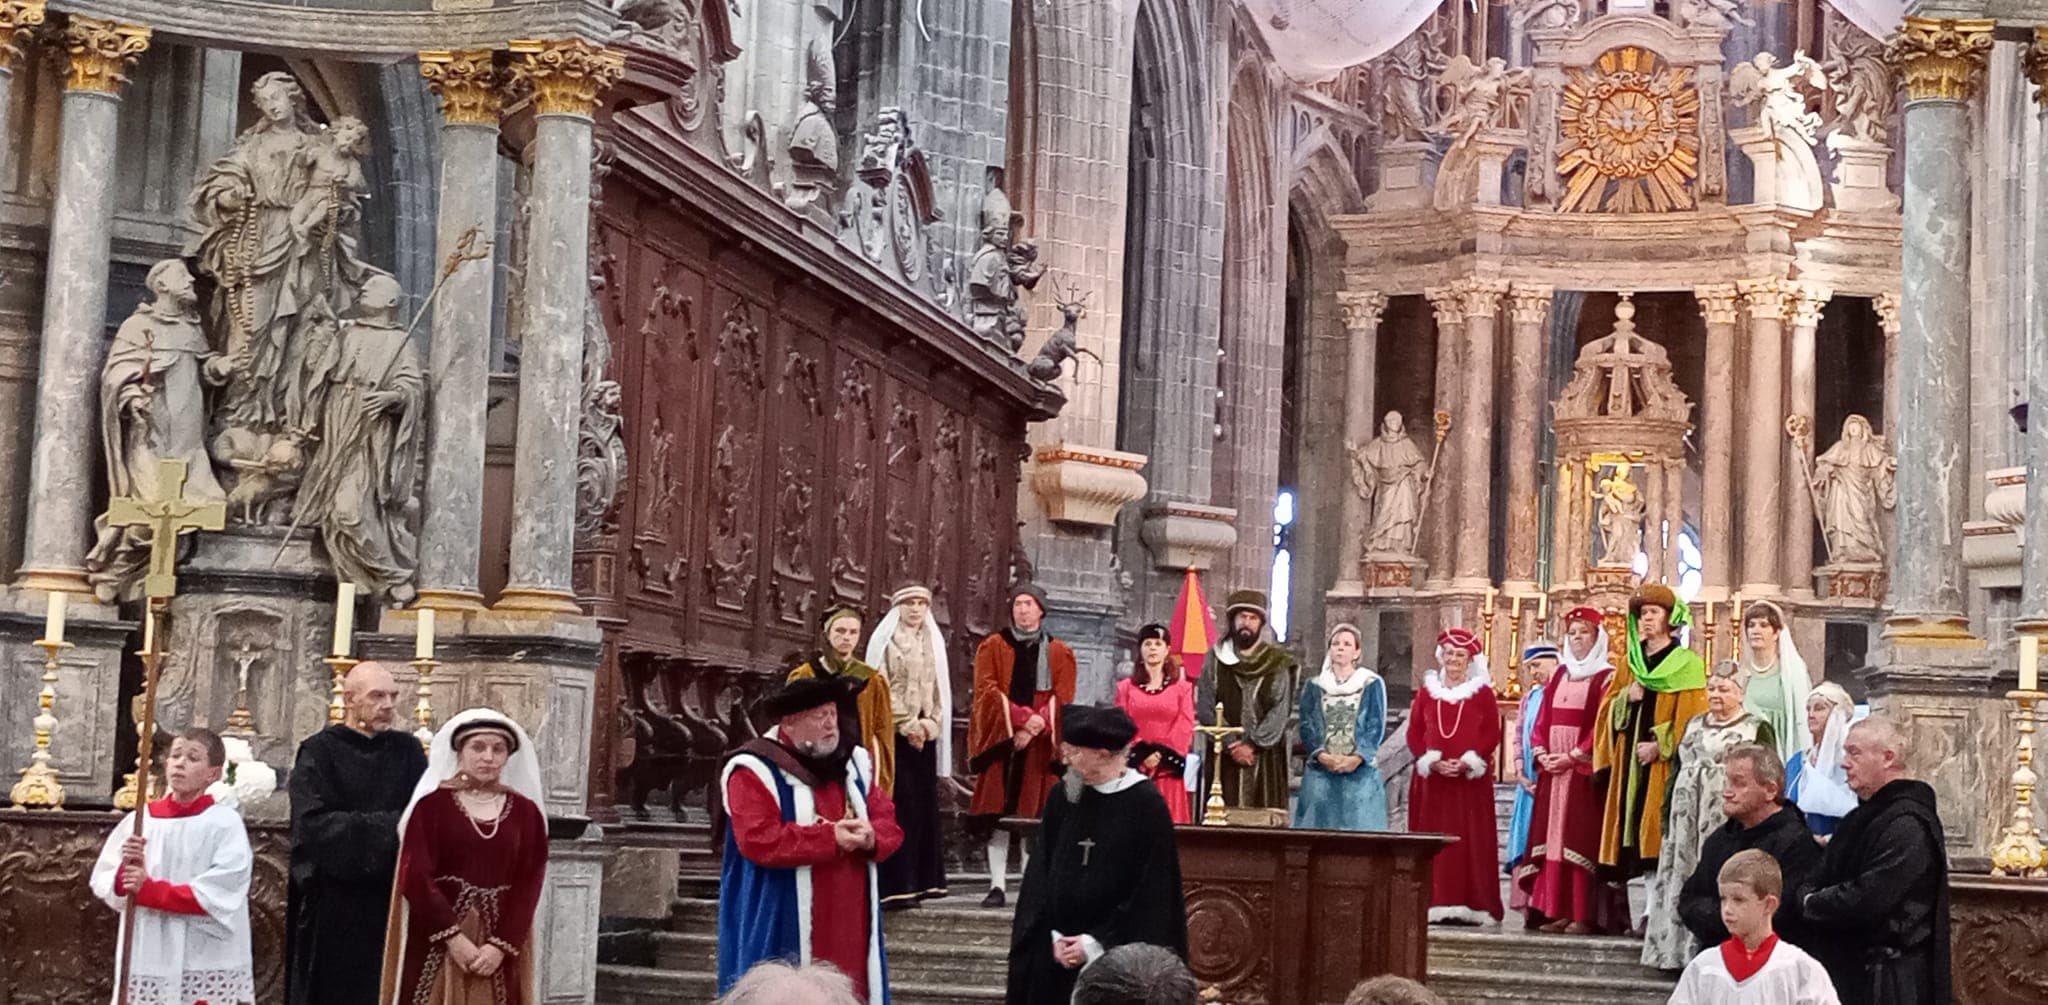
x=1630 y=134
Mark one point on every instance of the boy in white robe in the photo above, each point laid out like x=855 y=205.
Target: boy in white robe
x=189 y=877
x=1753 y=967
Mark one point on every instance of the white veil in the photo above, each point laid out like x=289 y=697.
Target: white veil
x=878 y=647
x=1794 y=681
x=1595 y=661
x=522 y=770
x=1824 y=783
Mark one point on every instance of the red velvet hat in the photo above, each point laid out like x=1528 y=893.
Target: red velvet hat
x=1589 y=615
x=1460 y=638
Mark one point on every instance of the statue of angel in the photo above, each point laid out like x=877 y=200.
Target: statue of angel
x=1477 y=92
x=1776 y=96
x=1865 y=95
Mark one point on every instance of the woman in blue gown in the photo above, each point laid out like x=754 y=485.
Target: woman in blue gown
x=1343 y=718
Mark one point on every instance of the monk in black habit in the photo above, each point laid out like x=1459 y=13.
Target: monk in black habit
x=1105 y=872
x=1877 y=908
x=348 y=786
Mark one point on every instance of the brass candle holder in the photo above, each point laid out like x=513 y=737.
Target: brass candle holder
x=139 y=785
x=1214 y=814
x=339 y=665
x=423 y=711
x=2019 y=852
x=39 y=788
x=1514 y=689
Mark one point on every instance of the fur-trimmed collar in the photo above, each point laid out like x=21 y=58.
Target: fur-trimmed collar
x=1475 y=678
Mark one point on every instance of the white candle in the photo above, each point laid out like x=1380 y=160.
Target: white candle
x=148 y=629
x=423 y=642
x=1543 y=608
x=2030 y=662
x=53 y=622
x=344 y=618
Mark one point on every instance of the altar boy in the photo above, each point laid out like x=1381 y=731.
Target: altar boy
x=189 y=875
x=1753 y=967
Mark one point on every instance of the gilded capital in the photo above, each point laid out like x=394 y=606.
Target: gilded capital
x=566 y=76
x=1940 y=58
x=1449 y=303
x=1765 y=299
x=1529 y=304
x=1362 y=309
x=102 y=52
x=19 y=20
x=468 y=83
x=1717 y=303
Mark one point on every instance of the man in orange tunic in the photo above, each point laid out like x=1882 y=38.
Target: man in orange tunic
x=1022 y=675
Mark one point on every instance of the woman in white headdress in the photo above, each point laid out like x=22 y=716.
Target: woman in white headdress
x=1778 y=678
x=907 y=649
x=473 y=852
x=1815 y=780
x=1343 y=719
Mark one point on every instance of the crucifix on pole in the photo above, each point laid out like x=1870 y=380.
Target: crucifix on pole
x=167 y=514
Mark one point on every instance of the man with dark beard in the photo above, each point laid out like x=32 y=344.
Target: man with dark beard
x=1254 y=680
x=1022 y=676
x=808 y=823
x=1107 y=873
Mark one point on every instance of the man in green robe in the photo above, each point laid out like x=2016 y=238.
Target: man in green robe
x=1253 y=679
x=1642 y=718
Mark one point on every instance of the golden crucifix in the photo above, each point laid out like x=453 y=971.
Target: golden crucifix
x=167 y=515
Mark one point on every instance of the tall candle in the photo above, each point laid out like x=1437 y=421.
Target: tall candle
x=1735 y=619
x=344 y=617
x=1543 y=607
x=1710 y=612
x=2030 y=662
x=148 y=629
x=1489 y=600
x=1515 y=607
x=53 y=621
x=423 y=643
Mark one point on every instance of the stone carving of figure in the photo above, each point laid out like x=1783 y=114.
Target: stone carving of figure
x=1855 y=479
x=1710 y=13
x=1865 y=96
x=152 y=408
x=1000 y=268
x=600 y=444
x=1621 y=519
x=359 y=485
x=813 y=145
x=1776 y=96
x=1407 y=81
x=1534 y=15
x=1064 y=344
x=1390 y=474
x=1478 y=91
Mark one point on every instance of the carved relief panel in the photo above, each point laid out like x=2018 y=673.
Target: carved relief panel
x=903 y=518
x=739 y=364
x=800 y=491
x=857 y=461
x=667 y=330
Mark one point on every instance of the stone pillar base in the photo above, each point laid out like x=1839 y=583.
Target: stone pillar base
x=1860 y=170
x=517 y=601
x=452 y=600
x=565 y=925
x=88 y=695
x=1407 y=177
x=1960 y=737
x=1858 y=586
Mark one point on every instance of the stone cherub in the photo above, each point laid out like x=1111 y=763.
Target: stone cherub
x=1064 y=344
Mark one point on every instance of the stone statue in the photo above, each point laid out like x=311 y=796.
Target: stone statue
x=1064 y=344
x=1543 y=15
x=1478 y=90
x=1710 y=13
x=1389 y=473
x=360 y=482
x=1866 y=96
x=1621 y=519
x=1852 y=482
x=813 y=144
x=1407 y=83
x=1000 y=268
x=1776 y=96
x=152 y=407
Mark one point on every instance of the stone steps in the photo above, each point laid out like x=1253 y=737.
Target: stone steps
x=619 y=985
x=1482 y=968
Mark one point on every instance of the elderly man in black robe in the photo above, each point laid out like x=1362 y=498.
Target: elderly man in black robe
x=1105 y=872
x=348 y=786
x=1876 y=912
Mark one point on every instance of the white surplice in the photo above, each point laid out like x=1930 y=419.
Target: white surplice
x=185 y=958
x=1789 y=977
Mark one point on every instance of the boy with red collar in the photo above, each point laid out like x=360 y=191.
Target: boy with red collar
x=189 y=877
x=1753 y=967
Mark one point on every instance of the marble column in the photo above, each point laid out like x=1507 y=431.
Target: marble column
x=2033 y=613
x=19 y=20
x=1529 y=314
x=61 y=468
x=451 y=528
x=1887 y=307
x=1763 y=432
x=565 y=77
x=1474 y=487
x=1673 y=515
x=1941 y=60
x=1806 y=301
x=1441 y=519
x=1717 y=443
x=1362 y=310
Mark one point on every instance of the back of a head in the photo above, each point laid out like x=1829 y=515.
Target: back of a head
x=1137 y=974
x=1388 y=989
x=778 y=983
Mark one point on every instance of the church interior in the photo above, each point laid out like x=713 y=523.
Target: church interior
x=573 y=357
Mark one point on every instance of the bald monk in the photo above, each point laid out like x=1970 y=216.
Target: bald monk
x=348 y=786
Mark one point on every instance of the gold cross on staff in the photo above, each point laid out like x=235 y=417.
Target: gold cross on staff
x=167 y=515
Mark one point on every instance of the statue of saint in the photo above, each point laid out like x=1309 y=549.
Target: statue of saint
x=1621 y=519
x=1854 y=480
x=1001 y=267
x=359 y=485
x=813 y=144
x=1389 y=473
x=152 y=408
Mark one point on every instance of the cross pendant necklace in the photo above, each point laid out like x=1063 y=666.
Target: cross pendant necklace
x=1087 y=849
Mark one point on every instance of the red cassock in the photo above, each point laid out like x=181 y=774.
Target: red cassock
x=1010 y=783
x=1564 y=829
x=1444 y=727
x=840 y=895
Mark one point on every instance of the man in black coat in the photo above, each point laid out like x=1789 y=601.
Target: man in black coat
x=1877 y=910
x=1758 y=817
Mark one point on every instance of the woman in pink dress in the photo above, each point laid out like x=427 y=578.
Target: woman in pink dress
x=1564 y=829
x=1161 y=700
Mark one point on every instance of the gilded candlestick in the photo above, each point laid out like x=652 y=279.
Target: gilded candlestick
x=39 y=788
x=337 y=708
x=423 y=711
x=2020 y=852
x=1515 y=651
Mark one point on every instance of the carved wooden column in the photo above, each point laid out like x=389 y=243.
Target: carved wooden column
x=1806 y=302
x=1362 y=310
x=1717 y=443
x=1442 y=518
x=1474 y=488
x=1529 y=311
x=61 y=470
x=1763 y=433
x=565 y=77
x=451 y=530
x=19 y=20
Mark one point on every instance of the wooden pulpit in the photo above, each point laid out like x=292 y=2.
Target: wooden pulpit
x=1298 y=917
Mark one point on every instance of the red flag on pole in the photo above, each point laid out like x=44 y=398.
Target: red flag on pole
x=1193 y=627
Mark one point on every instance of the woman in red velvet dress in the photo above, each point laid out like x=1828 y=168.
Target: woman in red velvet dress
x=1453 y=731
x=1564 y=827
x=1161 y=700
x=473 y=854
